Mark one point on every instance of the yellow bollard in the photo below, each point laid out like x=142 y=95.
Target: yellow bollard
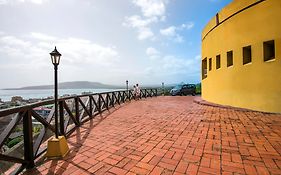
x=57 y=148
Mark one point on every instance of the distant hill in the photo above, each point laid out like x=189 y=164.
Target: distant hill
x=71 y=85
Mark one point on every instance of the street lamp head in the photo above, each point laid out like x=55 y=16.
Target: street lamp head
x=55 y=56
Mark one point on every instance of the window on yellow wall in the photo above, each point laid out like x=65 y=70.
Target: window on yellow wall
x=204 y=68
x=229 y=55
x=210 y=64
x=247 y=54
x=218 y=61
x=268 y=50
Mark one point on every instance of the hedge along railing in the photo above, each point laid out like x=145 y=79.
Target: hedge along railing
x=72 y=112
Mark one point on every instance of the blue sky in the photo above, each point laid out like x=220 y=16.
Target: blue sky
x=108 y=41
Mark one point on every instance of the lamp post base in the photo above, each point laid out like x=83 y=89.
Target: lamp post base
x=57 y=148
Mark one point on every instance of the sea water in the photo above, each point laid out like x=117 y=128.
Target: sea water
x=6 y=95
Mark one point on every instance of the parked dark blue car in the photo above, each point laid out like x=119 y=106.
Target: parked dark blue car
x=184 y=89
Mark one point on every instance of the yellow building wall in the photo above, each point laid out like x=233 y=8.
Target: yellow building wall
x=211 y=24
x=234 y=7
x=256 y=85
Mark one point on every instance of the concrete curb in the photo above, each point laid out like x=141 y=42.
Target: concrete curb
x=200 y=101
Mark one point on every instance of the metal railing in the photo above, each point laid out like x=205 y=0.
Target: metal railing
x=72 y=111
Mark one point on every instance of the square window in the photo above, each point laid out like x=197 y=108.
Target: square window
x=247 y=55
x=204 y=68
x=229 y=58
x=210 y=64
x=268 y=50
x=218 y=61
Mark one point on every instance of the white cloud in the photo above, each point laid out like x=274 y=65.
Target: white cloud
x=43 y=37
x=173 y=68
x=153 y=11
x=74 y=50
x=84 y=51
x=3 y=2
x=145 y=33
x=152 y=53
x=38 y=1
x=152 y=8
x=179 y=39
x=14 y=41
x=12 y=2
x=172 y=31
x=179 y=65
x=187 y=26
x=170 y=64
x=137 y=22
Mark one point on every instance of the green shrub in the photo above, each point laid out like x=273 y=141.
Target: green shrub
x=198 y=88
x=36 y=129
x=14 y=142
x=18 y=129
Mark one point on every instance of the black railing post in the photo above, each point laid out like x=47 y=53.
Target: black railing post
x=163 y=89
x=112 y=99
x=127 y=87
x=77 y=110
x=107 y=101
x=61 y=114
x=99 y=103
x=28 y=139
x=91 y=107
x=117 y=95
x=145 y=93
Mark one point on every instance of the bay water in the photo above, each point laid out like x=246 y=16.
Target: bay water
x=6 y=95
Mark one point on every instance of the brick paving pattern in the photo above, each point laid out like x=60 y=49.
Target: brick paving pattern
x=172 y=135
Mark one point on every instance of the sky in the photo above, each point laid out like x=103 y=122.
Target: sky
x=108 y=41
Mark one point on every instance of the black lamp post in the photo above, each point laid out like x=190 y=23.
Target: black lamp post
x=55 y=56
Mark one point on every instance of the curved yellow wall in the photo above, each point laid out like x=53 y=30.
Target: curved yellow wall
x=256 y=85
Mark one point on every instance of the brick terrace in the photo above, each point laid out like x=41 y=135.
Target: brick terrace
x=172 y=135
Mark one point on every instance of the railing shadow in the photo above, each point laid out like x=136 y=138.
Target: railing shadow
x=59 y=166
x=78 y=115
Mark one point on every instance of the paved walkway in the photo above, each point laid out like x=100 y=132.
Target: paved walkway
x=173 y=135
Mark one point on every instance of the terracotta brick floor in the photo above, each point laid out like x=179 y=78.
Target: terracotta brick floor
x=173 y=135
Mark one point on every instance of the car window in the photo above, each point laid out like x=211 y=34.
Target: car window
x=191 y=86
x=178 y=87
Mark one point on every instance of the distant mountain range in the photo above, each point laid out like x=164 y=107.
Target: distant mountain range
x=71 y=85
